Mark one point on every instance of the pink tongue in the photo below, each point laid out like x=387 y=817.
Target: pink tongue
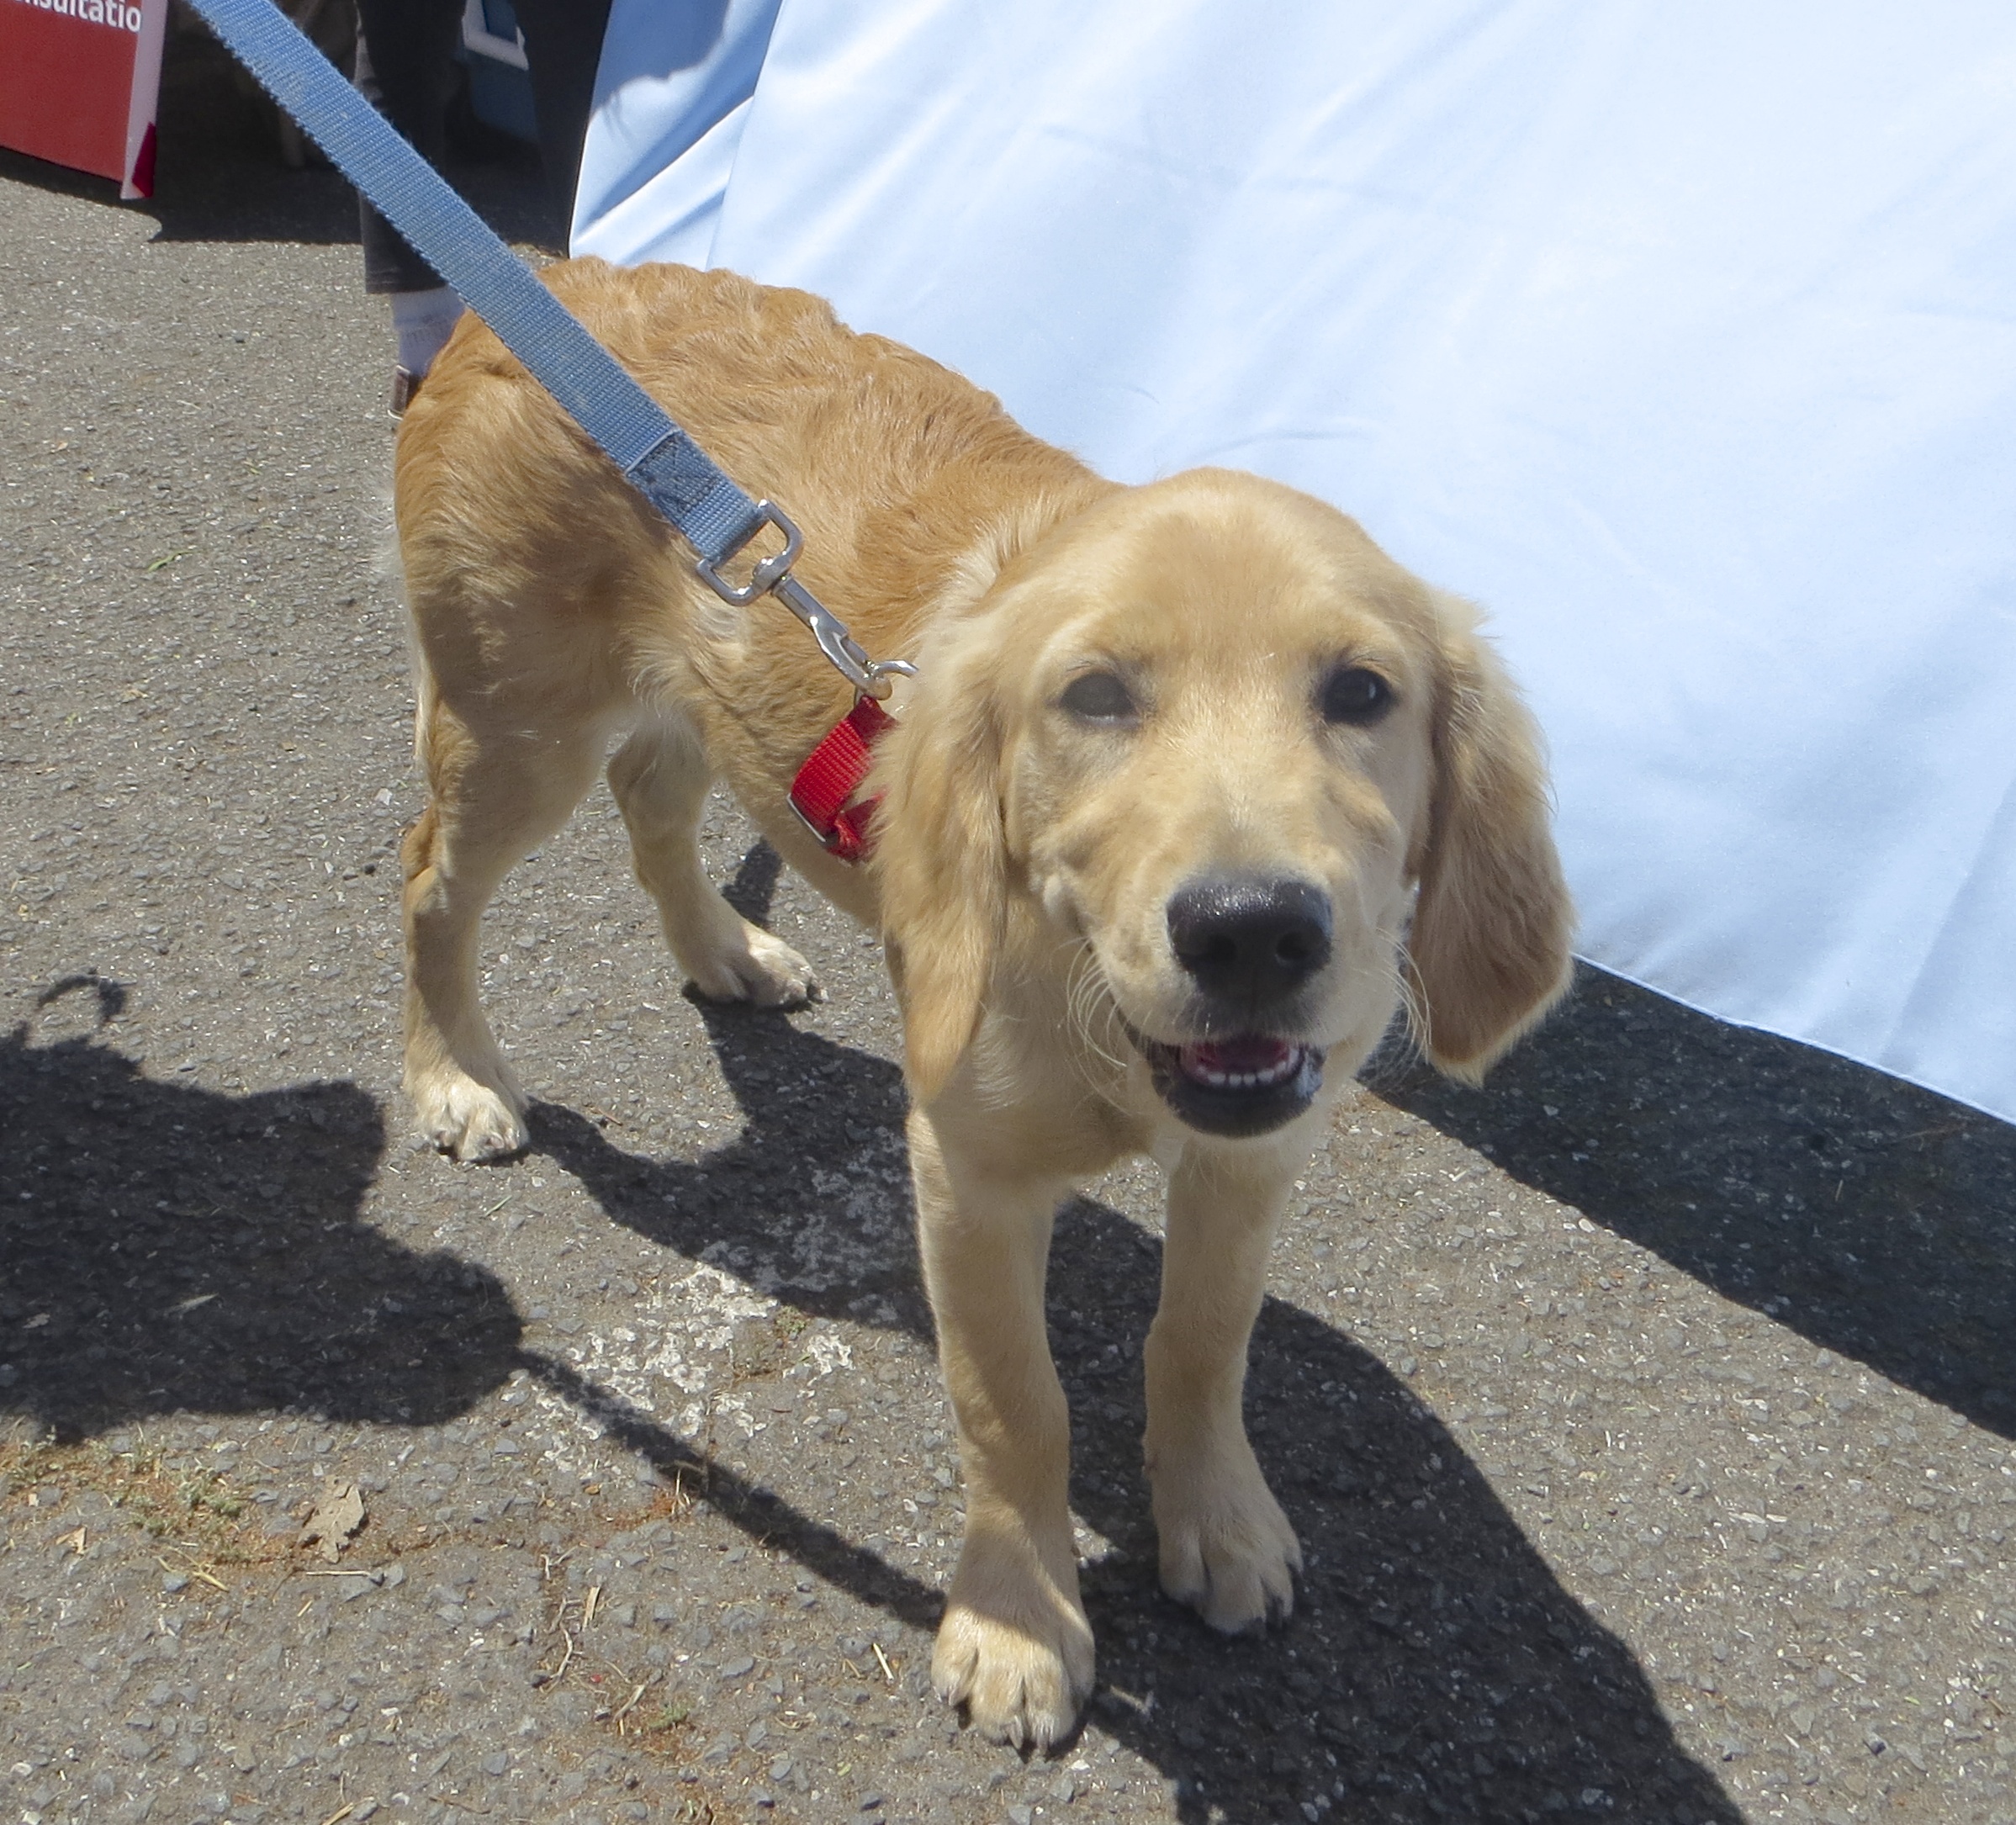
x=1249 y=1052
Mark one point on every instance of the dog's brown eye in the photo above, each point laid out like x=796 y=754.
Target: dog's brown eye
x=1351 y=694
x=1098 y=697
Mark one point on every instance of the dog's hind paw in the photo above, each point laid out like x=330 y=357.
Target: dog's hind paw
x=1023 y=1684
x=470 y=1122
x=760 y=969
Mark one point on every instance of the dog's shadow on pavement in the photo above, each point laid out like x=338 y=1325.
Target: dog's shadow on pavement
x=1436 y=1668
x=1868 y=1215
x=165 y=1248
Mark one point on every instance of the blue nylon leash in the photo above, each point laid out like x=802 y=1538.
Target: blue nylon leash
x=656 y=458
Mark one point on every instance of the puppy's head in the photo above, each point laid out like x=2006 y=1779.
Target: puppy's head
x=1256 y=782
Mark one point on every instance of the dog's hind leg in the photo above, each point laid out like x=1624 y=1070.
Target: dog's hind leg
x=660 y=778
x=495 y=796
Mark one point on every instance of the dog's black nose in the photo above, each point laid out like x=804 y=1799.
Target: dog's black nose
x=1250 y=941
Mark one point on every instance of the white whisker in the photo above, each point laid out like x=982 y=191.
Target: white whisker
x=1090 y=1007
x=1413 y=993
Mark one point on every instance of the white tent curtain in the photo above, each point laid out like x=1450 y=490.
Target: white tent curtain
x=1683 y=339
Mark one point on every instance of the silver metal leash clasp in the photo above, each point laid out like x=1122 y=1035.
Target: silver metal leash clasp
x=772 y=576
x=769 y=571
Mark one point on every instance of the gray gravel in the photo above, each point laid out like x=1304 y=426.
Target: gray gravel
x=1646 y=1417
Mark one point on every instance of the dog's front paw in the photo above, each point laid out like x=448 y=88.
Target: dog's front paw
x=1022 y=1680
x=759 y=968
x=1227 y=1550
x=469 y=1120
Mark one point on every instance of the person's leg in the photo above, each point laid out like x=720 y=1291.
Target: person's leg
x=405 y=51
x=564 y=45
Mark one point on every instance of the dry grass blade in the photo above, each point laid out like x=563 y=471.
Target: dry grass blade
x=623 y=1710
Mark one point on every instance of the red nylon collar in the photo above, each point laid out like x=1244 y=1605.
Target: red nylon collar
x=831 y=775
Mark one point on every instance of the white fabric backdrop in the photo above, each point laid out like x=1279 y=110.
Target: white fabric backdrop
x=1682 y=338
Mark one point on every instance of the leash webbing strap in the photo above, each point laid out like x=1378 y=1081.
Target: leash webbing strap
x=672 y=472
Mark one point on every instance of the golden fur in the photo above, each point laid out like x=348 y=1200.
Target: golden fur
x=1032 y=855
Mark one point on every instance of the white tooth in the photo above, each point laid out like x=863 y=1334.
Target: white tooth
x=1216 y=1079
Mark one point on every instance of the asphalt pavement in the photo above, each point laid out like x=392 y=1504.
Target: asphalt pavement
x=1646 y=1416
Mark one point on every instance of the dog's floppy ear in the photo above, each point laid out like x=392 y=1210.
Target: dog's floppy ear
x=1489 y=942
x=940 y=855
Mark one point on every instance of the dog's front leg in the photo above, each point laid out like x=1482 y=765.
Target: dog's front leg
x=1226 y=1547
x=1014 y=1646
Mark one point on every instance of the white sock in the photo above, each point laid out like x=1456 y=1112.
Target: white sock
x=421 y=320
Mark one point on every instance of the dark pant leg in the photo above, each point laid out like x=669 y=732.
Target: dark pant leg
x=404 y=52
x=563 y=44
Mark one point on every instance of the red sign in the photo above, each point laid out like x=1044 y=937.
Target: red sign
x=79 y=80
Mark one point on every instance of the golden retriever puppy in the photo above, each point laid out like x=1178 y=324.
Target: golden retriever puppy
x=1195 y=789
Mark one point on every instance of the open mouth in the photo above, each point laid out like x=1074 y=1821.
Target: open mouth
x=1242 y=1085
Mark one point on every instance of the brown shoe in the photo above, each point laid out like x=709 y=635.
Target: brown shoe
x=405 y=385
